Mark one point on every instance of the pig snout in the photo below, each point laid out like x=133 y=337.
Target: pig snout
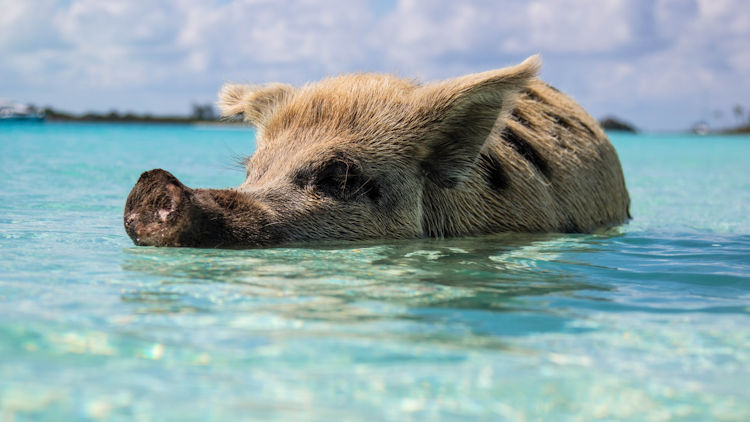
x=161 y=211
x=158 y=210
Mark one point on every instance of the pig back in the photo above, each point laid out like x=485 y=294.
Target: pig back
x=547 y=167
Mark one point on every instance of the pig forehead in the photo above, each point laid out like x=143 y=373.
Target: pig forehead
x=304 y=144
x=320 y=144
x=350 y=106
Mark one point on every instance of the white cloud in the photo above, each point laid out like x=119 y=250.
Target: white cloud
x=304 y=34
x=639 y=56
x=580 y=26
x=26 y=25
x=138 y=42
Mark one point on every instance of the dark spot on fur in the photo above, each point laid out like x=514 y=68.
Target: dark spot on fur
x=533 y=96
x=493 y=171
x=526 y=150
x=560 y=121
x=520 y=119
x=586 y=127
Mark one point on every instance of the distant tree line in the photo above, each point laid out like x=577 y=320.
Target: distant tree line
x=741 y=118
x=206 y=112
x=611 y=123
x=200 y=113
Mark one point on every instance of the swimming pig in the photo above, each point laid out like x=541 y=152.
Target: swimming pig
x=370 y=156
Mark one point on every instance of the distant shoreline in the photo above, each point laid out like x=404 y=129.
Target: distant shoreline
x=114 y=117
x=155 y=120
x=202 y=114
x=742 y=130
x=609 y=124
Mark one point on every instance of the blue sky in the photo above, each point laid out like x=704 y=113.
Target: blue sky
x=661 y=64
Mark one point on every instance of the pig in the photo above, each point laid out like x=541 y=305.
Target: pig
x=373 y=156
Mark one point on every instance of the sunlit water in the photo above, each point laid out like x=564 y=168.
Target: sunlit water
x=647 y=322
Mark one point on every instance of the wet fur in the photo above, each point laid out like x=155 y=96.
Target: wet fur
x=368 y=156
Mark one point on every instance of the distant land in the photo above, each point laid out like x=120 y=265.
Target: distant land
x=611 y=123
x=200 y=114
x=737 y=130
x=206 y=114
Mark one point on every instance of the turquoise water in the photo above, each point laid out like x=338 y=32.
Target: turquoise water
x=650 y=321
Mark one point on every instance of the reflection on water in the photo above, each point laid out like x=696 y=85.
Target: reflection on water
x=442 y=290
x=564 y=318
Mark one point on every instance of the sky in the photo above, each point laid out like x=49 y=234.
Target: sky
x=659 y=64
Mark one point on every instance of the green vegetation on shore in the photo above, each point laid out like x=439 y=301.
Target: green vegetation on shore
x=611 y=123
x=200 y=114
x=737 y=130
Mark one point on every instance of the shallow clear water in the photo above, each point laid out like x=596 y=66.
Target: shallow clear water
x=647 y=322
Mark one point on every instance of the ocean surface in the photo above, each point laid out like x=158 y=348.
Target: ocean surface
x=649 y=321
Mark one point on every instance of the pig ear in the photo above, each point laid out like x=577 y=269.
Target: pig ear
x=255 y=103
x=464 y=111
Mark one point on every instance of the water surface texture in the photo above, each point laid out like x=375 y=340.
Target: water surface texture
x=650 y=321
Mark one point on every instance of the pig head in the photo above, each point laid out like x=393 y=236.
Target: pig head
x=368 y=156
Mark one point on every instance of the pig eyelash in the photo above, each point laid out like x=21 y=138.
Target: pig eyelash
x=335 y=178
x=372 y=191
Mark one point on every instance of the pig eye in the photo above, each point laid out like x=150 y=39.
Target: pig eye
x=344 y=181
x=338 y=180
